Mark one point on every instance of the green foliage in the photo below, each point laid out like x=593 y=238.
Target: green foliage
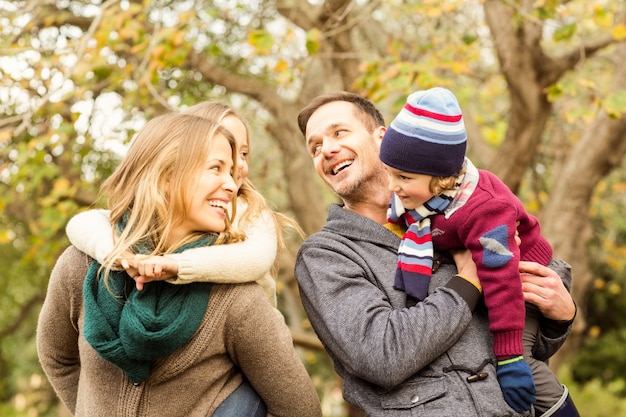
x=615 y=104
x=595 y=398
x=603 y=359
x=564 y=32
x=262 y=41
x=88 y=92
x=313 y=41
x=22 y=287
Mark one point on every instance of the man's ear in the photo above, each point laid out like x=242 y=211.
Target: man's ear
x=380 y=132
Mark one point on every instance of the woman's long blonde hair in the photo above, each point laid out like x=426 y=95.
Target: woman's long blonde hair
x=150 y=189
x=255 y=201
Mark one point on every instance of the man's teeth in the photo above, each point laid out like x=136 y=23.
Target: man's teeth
x=341 y=166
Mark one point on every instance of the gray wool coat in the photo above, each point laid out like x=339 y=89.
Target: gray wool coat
x=398 y=361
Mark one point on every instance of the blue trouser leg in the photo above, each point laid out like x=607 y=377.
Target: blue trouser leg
x=243 y=402
x=564 y=408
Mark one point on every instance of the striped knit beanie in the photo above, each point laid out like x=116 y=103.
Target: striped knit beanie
x=427 y=136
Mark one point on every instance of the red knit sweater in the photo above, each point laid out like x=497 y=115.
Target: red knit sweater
x=486 y=225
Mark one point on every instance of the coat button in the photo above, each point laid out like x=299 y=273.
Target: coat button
x=415 y=398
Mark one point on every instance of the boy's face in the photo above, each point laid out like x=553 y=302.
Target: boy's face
x=412 y=189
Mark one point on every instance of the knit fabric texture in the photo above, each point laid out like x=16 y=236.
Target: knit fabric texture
x=428 y=135
x=416 y=252
x=131 y=328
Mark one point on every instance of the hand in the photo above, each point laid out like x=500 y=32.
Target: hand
x=465 y=265
x=516 y=382
x=144 y=268
x=543 y=287
x=124 y=260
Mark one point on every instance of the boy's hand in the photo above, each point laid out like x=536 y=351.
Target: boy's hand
x=517 y=383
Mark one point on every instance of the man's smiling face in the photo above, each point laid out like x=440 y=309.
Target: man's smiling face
x=344 y=153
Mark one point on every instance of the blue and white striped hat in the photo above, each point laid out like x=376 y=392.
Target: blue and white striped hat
x=428 y=135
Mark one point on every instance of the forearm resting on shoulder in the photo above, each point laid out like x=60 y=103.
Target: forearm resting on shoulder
x=246 y=261
x=90 y=231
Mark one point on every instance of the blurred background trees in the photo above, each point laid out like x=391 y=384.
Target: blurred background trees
x=542 y=84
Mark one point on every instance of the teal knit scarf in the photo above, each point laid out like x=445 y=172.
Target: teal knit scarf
x=131 y=328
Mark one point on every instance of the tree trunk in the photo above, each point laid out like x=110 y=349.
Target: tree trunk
x=518 y=48
x=566 y=220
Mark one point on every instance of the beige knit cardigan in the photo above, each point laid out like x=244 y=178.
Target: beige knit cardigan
x=241 y=334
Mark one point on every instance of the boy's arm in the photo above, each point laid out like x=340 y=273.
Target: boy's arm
x=90 y=231
x=239 y=262
x=490 y=237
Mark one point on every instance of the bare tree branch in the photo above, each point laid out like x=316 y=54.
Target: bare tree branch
x=25 y=312
x=551 y=69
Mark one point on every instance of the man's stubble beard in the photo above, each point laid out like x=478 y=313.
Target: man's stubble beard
x=372 y=182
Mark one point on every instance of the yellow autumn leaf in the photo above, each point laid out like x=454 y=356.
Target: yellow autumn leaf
x=178 y=38
x=5 y=135
x=158 y=51
x=602 y=16
x=61 y=184
x=281 y=66
x=261 y=40
x=313 y=41
x=585 y=82
x=5 y=237
x=619 y=32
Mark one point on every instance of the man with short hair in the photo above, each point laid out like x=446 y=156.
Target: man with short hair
x=434 y=358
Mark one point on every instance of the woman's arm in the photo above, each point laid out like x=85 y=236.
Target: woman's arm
x=58 y=326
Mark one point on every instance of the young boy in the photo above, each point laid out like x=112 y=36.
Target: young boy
x=447 y=203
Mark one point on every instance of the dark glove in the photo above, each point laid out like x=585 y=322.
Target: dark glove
x=516 y=382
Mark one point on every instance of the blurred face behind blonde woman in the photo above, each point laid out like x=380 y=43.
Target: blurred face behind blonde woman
x=228 y=118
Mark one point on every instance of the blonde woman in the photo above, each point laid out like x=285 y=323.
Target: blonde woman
x=176 y=350
x=253 y=259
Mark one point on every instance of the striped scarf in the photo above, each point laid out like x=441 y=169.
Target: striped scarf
x=415 y=254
